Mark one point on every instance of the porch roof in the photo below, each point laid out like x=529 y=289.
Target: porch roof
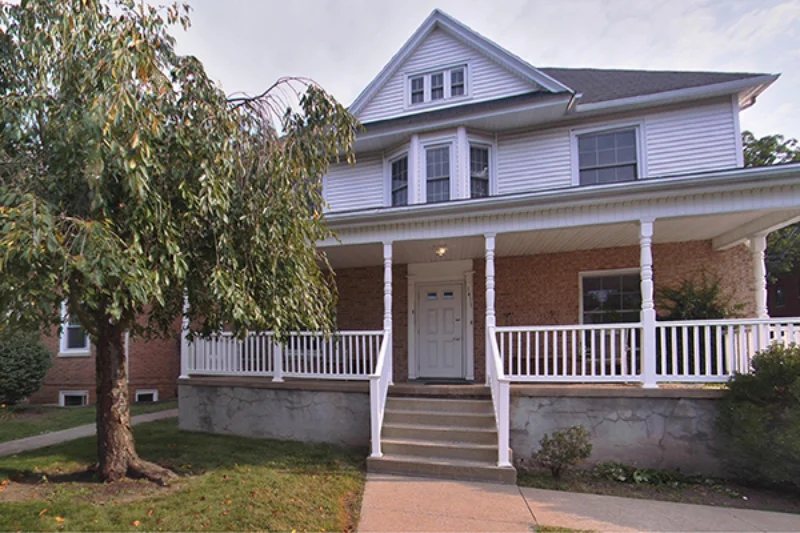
x=727 y=207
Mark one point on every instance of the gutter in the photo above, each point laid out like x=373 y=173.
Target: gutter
x=733 y=179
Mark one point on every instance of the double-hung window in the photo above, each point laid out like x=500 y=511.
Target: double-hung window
x=607 y=157
x=74 y=339
x=437 y=173
x=399 y=173
x=457 y=87
x=417 y=90
x=437 y=86
x=479 y=171
x=609 y=298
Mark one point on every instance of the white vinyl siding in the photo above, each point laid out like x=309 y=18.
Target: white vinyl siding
x=356 y=187
x=486 y=79
x=691 y=140
x=674 y=142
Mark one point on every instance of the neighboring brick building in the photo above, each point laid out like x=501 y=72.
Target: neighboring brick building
x=784 y=294
x=153 y=368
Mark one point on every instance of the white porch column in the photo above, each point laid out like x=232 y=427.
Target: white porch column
x=491 y=320
x=387 y=302
x=758 y=244
x=184 y=342
x=648 y=317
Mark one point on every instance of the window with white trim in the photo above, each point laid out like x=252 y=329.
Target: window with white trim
x=74 y=338
x=437 y=173
x=73 y=398
x=149 y=395
x=399 y=178
x=478 y=171
x=607 y=157
x=611 y=298
x=438 y=85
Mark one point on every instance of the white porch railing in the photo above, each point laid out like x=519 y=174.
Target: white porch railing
x=713 y=350
x=699 y=351
x=379 y=382
x=343 y=355
x=501 y=396
x=593 y=352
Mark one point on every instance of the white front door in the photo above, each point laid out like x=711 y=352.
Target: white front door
x=441 y=331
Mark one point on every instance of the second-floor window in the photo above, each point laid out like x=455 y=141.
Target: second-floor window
x=479 y=171
x=607 y=157
x=400 y=181
x=437 y=173
x=437 y=85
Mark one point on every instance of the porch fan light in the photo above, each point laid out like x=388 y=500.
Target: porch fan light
x=440 y=250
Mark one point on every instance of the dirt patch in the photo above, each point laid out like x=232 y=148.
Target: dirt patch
x=84 y=485
x=716 y=492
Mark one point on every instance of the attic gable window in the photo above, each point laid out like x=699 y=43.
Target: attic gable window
x=438 y=85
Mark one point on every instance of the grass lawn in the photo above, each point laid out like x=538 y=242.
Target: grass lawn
x=18 y=422
x=227 y=483
x=705 y=491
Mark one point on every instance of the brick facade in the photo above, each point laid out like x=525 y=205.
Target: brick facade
x=153 y=364
x=540 y=290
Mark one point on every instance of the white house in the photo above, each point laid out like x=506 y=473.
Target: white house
x=501 y=241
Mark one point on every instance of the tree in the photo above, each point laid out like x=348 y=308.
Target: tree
x=129 y=181
x=783 y=246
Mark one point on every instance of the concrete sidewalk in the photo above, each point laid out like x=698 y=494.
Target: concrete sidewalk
x=395 y=503
x=48 y=439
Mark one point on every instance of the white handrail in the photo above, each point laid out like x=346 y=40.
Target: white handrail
x=501 y=392
x=379 y=382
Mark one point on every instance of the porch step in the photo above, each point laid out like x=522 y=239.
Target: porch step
x=442 y=468
x=438 y=418
x=440 y=437
x=440 y=434
x=409 y=403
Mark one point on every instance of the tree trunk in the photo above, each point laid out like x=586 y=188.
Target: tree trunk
x=115 y=446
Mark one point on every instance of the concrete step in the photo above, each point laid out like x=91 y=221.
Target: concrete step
x=441 y=468
x=407 y=403
x=437 y=418
x=440 y=450
x=469 y=435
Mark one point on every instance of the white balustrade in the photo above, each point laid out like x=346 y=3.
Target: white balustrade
x=499 y=385
x=379 y=382
x=580 y=353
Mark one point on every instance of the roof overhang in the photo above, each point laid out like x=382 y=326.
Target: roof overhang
x=747 y=90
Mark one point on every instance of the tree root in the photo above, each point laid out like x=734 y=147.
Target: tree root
x=151 y=471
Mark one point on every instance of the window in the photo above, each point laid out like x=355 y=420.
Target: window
x=611 y=298
x=417 y=90
x=479 y=171
x=457 y=82
x=780 y=297
x=438 y=85
x=400 y=181
x=73 y=398
x=437 y=164
x=147 y=395
x=74 y=340
x=607 y=157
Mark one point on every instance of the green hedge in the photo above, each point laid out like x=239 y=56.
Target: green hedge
x=23 y=365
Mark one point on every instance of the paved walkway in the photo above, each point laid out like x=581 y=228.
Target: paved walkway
x=48 y=439
x=396 y=503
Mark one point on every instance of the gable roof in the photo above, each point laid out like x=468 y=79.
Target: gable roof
x=600 y=85
x=443 y=21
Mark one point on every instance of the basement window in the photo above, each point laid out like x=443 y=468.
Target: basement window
x=72 y=398
x=150 y=395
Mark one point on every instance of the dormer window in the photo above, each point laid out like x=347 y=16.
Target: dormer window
x=438 y=85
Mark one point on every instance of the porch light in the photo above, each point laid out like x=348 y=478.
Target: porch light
x=440 y=250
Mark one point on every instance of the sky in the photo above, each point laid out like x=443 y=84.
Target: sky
x=246 y=45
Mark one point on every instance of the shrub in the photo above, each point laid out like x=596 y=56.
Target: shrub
x=564 y=449
x=759 y=420
x=621 y=473
x=696 y=301
x=23 y=364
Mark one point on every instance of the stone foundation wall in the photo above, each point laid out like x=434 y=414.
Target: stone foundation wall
x=281 y=413
x=651 y=432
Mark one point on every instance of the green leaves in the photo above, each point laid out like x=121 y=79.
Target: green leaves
x=128 y=179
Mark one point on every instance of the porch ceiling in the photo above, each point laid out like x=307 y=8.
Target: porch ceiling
x=679 y=229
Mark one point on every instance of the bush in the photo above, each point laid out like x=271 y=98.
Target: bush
x=759 y=420
x=696 y=301
x=566 y=448
x=23 y=364
x=641 y=476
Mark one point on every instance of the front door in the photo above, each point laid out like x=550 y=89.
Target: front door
x=441 y=330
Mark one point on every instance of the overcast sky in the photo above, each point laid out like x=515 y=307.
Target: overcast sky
x=247 y=44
